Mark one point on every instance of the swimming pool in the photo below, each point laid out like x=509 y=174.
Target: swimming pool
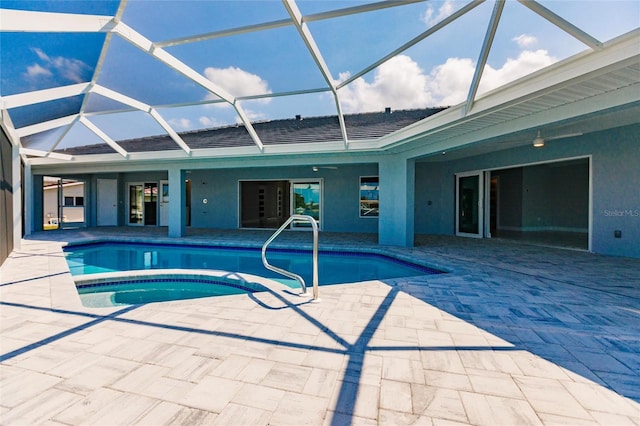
x=335 y=267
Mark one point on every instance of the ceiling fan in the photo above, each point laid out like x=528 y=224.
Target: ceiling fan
x=316 y=168
x=539 y=141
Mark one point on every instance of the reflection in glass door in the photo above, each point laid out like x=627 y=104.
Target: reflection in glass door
x=163 y=203
x=469 y=205
x=151 y=203
x=136 y=204
x=306 y=200
x=63 y=203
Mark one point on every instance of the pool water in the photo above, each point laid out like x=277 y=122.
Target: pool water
x=333 y=267
x=135 y=292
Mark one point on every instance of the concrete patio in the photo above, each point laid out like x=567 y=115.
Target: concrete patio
x=514 y=334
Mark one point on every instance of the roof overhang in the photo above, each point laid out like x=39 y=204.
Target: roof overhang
x=606 y=80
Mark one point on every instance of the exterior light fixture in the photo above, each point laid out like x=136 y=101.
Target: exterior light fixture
x=538 y=142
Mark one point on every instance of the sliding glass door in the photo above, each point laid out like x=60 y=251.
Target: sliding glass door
x=306 y=201
x=63 y=203
x=143 y=203
x=469 y=204
x=136 y=204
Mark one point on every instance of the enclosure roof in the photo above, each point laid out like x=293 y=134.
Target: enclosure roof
x=126 y=79
x=297 y=130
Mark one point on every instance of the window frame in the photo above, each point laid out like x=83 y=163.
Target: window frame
x=361 y=181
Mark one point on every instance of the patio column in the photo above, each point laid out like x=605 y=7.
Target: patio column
x=177 y=203
x=397 y=193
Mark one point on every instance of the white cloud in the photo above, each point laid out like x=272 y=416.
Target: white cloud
x=66 y=70
x=43 y=56
x=237 y=82
x=449 y=82
x=445 y=10
x=527 y=62
x=35 y=70
x=71 y=69
x=180 y=123
x=210 y=122
x=525 y=40
x=401 y=84
x=254 y=115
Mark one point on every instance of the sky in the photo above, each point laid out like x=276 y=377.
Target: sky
x=436 y=71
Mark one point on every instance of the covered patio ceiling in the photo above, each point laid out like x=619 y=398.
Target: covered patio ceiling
x=98 y=73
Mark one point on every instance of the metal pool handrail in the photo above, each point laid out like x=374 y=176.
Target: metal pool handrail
x=297 y=277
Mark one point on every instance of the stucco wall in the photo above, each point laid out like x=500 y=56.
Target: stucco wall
x=616 y=188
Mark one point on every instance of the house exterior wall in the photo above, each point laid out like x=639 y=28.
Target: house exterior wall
x=615 y=178
x=341 y=194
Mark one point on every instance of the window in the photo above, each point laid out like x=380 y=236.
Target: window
x=369 y=195
x=73 y=201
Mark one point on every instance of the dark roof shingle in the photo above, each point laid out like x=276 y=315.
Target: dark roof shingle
x=362 y=126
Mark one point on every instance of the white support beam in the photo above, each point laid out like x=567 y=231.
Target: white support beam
x=484 y=53
x=446 y=21
x=199 y=79
x=89 y=125
x=144 y=44
x=309 y=41
x=49 y=22
x=369 y=7
x=171 y=61
x=225 y=33
x=38 y=96
x=563 y=24
x=62 y=136
x=47 y=154
x=191 y=74
x=286 y=22
x=46 y=125
x=252 y=132
x=117 y=96
x=167 y=127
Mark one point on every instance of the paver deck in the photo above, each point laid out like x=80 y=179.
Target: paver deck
x=513 y=335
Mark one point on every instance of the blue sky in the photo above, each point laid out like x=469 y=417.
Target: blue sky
x=435 y=72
